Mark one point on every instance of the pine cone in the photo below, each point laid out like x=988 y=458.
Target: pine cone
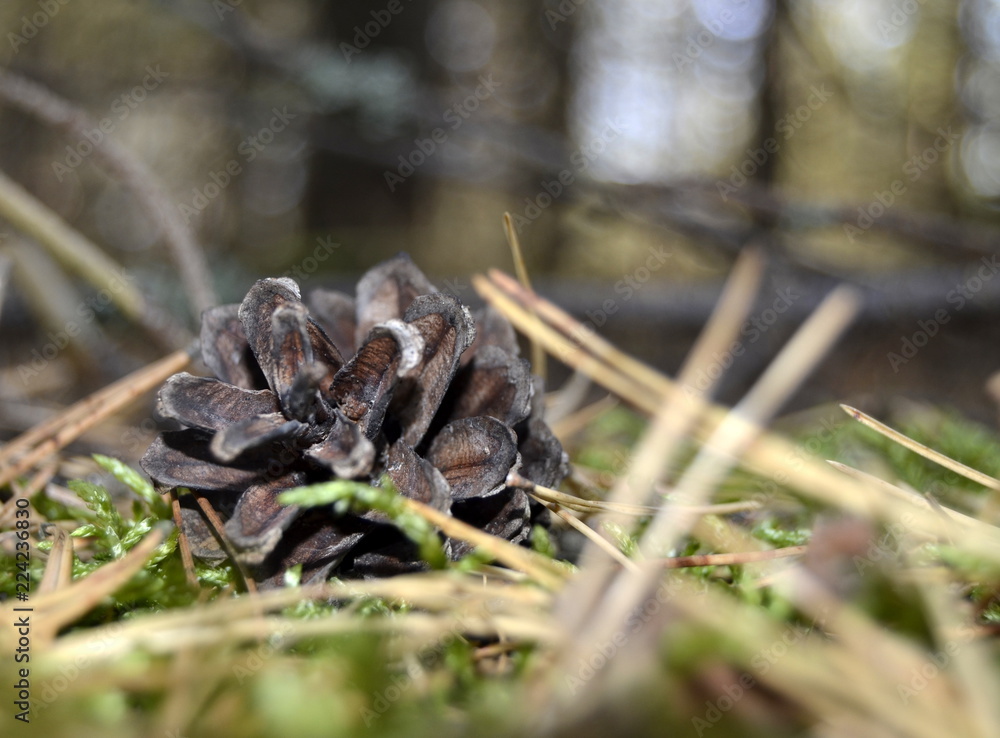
x=445 y=411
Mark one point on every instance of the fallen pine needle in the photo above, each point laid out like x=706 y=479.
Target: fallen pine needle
x=928 y=453
x=730 y=559
x=45 y=439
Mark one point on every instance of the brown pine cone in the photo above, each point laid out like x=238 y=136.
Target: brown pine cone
x=446 y=411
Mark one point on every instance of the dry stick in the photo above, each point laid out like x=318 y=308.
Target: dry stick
x=543 y=570
x=769 y=455
x=730 y=559
x=493 y=650
x=722 y=535
x=238 y=618
x=436 y=590
x=59 y=567
x=191 y=263
x=972 y=668
x=598 y=347
x=928 y=453
x=520 y=268
x=672 y=424
x=149 y=376
x=745 y=422
x=626 y=387
x=592 y=535
x=80 y=256
x=67 y=246
x=218 y=527
x=152 y=635
x=427 y=591
x=187 y=559
x=42 y=477
x=877 y=657
x=554 y=500
x=53 y=298
x=831 y=679
x=716 y=458
x=739 y=428
x=600 y=506
x=945 y=513
x=58 y=609
x=575 y=503
x=25 y=451
x=674 y=420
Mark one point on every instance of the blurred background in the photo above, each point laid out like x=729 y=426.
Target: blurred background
x=639 y=145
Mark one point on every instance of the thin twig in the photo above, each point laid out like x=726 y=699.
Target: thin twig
x=909 y=497
x=771 y=455
x=592 y=535
x=54 y=299
x=219 y=529
x=187 y=558
x=79 y=255
x=149 y=193
x=599 y=347
x=601 y=506
x=31 y=447
x=543 y=570
x=59 y=567
x=538 y=360
x=677 y=413
x=730 y=559
x=42 y=477
x=716 y=458
x=57 y=609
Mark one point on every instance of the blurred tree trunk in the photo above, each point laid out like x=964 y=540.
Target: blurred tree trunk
x=348 y=188
x=530 y=99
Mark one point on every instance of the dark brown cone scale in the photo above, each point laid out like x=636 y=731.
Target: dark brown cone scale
x=395 y=382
